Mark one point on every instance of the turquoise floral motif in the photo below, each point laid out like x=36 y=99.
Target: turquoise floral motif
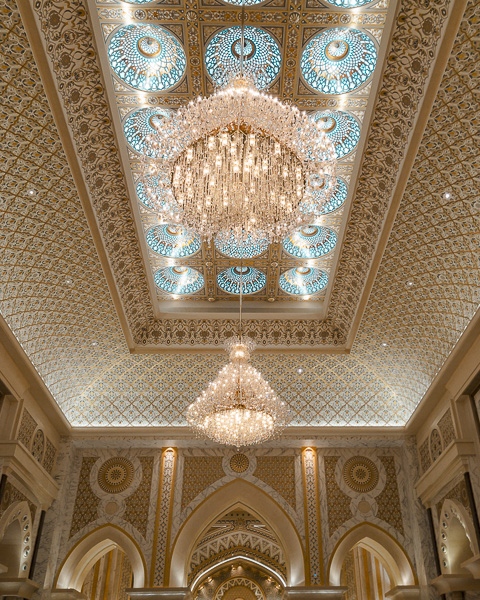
x=338 y=60
x=311 y=241
x=252 y=280
x=179 y=281
x=262 y=57
x=146 y=57
x=303 y=281
x=173 y=241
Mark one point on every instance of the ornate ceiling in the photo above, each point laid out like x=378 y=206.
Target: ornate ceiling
x=294 y=277
x=76 y=285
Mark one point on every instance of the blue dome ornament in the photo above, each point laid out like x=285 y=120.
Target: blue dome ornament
x=349 y=3
x=262 y=57
x=338 y=60
x=180 y=281
x=144 y=122
x=173 y=241
x=342 y=129
x=337 y=199
x=146 y=57
x=311 y=241
x=303 y=281
x=252 y=280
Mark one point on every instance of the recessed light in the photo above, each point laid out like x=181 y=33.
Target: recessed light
x=94 y=343
x=31 y=192
x=384 y=344
x=447 y=195
x=68 y=281
x=300 y=371
x=409 y=283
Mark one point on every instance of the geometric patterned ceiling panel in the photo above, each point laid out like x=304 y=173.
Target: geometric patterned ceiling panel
x=290 y=53
x=70 y=47
x=55 y=298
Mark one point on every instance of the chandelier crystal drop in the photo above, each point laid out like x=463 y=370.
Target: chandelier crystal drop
x=239 y=408
x=240 y=163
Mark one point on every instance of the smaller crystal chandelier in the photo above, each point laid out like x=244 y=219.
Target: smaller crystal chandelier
x=239 y=408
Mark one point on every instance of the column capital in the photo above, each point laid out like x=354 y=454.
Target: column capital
x=447 y=583
x=19 y=586
x=316 y=592
x=404 y=592
x=159 y=593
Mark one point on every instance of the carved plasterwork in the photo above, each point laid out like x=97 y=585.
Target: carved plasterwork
x=53 y=293
x=237 y=532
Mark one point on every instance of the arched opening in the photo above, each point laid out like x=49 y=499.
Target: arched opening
x=15 y=541
x=238 y=495
x=238 y=580
x=11 y=551
x=369 y=560
x=457 y=538
x=109 y=577
x=96 y=549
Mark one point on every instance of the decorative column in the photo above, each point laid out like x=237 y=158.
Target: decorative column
x=161 y=543
x=314 y=574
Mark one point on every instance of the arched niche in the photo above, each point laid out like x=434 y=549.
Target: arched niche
x=238 y=493
x=15 y=540
x=458 y=541
x=382 y=545
x=91 y=548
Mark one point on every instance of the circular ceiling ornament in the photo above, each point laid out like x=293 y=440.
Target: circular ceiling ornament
x=227 y=245
x=341 y=128
x=338 y=197
x=146 y=57
x=173 y=241
x=115 y=475
x=142 y=123
x=179 y=281
x=349 y=3
x=360 y=474
x=303 y=281
x=338 y=60
x=310 y=241
x=244 y=2
x=253 y=280
x=262 y=57
x=239 y=463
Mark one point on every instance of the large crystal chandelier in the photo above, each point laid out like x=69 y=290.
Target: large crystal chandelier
x=238 y=408
x=240 y=163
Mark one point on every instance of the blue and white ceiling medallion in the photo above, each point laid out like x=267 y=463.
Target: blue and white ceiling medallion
x=349 y=3
x=243 y=2
x=146 y=57
x=181 y=281
x=262 y=57
x=252 y=280
x=338 y=60
x=303 y=281
x=173 y=241
x=338 y=197
x=229 y=246
x=341 y=127
x=311 y=241
x=142 y=123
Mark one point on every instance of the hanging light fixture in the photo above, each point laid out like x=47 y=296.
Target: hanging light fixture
x=238 y=408
x=240 y=164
